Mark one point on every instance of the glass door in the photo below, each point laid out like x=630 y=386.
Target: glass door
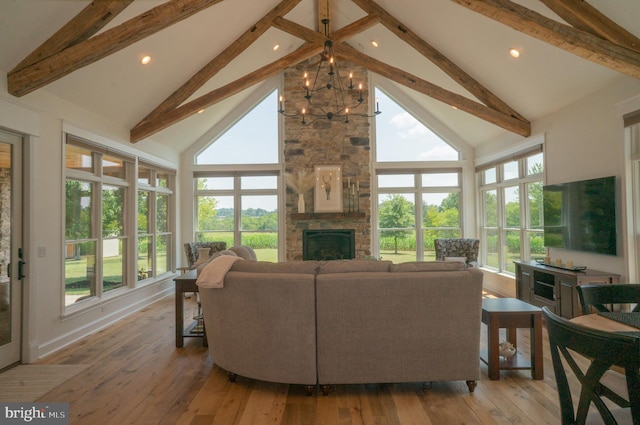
x=11 y=264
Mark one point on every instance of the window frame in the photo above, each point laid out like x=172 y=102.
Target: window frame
x=127 y=180
x=501 y=184
x=237 y=192
x=417 y=191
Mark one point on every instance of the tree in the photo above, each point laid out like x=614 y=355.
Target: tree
x=396 y=214
x=207 y=214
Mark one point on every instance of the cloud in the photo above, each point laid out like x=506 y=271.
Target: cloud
x=408 y=126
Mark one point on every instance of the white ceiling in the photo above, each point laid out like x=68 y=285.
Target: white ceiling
x=543 y=80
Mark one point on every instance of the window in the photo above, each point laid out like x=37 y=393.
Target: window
x=418 y=195
x=240 y=207
x=239 y=210
x=154 y=235
x=511 y=210
x=401 y=137
x=100 y=237
x=413 y=210
x=250 y=140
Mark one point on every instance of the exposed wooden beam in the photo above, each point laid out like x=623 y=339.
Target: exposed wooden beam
x=159 y=120
x=343 y=34
x=508 y=122
x=84 y=25
x=219 y=62
x=580 y=43
x=325 y=11
x=585 y=17
x=173 y=116
x=440 y=60
x=37 y=75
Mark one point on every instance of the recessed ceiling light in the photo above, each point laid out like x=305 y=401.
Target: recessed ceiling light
x=145 y=60
x=276 y=47
x=374 y=43
x=514 y=52
x=201 y=111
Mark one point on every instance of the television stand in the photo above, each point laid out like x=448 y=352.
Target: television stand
x=554 y=287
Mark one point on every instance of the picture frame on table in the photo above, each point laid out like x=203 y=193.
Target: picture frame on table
x=328 y=188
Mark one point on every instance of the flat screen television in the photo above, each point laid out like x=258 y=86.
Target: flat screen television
x=581 y=215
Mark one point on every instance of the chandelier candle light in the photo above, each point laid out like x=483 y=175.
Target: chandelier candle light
x=337 y=108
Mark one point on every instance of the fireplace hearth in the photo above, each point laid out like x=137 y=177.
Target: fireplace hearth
x=328 y=244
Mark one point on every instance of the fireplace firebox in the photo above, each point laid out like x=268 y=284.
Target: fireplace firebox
x=328 y=244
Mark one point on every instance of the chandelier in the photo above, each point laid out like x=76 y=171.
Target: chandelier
x=327 y=77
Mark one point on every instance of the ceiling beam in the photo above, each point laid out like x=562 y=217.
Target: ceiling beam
x=37 y=75
x=580 y=43
x=173 y=116
x=315 y=46
x=219 y=62
x=325 y=11
x=344 y=33
x=483 y=94
x=585 y=17
x=84 y=25
x=508 y=122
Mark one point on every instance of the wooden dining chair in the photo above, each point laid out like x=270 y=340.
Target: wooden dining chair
x=598 y=295
x=588 y=354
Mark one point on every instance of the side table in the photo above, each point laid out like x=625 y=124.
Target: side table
x=511 y=313
x=186 y=283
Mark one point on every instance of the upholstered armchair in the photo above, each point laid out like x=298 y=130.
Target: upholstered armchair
x=458 y=247
x=193 y=249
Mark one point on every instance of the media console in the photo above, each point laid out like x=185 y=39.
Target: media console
x=554 y=287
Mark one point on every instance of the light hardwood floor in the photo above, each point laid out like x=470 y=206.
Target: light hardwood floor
x=138 y=376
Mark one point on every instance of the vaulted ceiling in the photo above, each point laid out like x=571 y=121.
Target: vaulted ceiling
x=211 y=54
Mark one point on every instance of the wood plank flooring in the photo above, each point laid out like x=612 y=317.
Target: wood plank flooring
x=138 y=376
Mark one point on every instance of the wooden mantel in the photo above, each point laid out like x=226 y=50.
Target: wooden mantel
x=328 y=216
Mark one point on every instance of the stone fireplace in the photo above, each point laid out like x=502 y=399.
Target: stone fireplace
x=328 y=142
x=338 y=244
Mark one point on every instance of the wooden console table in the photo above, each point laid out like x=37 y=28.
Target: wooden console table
x=544 y=285
x=186 y=283
x=510 y=313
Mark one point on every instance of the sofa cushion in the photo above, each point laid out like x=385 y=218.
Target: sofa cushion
x=427 y=266
x=458 y=259
x=354 y=266
x=303 y=267
x=213 y=256
x=245 y=252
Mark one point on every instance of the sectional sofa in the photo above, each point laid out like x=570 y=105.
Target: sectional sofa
x=346 y=322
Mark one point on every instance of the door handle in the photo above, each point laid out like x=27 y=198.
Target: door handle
x=9 y=270
x=21 y=269
x=20 y=265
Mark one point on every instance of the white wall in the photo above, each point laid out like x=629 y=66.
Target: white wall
x=40 y=117
x=583 y=140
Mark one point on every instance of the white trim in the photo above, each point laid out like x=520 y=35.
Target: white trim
x=627 y=106
x=18 y=118
x=72 y=129
x=529 y=142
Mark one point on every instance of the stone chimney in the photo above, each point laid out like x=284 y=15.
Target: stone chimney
x=328 y=142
